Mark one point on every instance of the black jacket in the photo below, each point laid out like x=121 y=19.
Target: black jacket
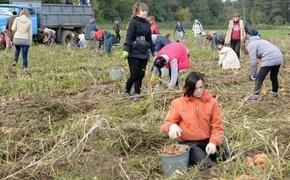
x=139 y=48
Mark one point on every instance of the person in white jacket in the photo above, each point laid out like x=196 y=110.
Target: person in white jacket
x=228 y=59
x=22 y=26
x=197 y=28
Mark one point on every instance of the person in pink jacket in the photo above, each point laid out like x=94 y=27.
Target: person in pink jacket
x=173 y=56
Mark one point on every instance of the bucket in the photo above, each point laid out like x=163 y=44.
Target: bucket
x=115 y=74
x=171 y=163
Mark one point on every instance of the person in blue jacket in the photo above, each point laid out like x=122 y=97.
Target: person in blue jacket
x=159 y=41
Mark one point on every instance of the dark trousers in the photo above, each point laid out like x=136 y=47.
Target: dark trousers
x=118 y=36
x=137 y=73
x=236 y=46
x=274 y=70
x=197 y=154
x=24 y=54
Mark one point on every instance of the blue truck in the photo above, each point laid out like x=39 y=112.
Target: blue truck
x=65 y=19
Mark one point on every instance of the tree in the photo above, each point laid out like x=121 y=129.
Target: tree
x=183 y=14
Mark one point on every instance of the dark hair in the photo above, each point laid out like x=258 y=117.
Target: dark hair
x=190 y=83
x=14 y=13
x=159 y=63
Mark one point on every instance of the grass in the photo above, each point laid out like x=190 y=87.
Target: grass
x=64 y=118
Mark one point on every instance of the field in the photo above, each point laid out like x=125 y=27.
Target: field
x=64 y=118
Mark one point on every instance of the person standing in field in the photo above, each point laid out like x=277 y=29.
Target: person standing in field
x=197 y=29
x=22 y=26
x=236 y=34
x=270 y=58
x=179 y=31
x=91 y=27
x=153 y=25
x=136 y=48
x=117 y=29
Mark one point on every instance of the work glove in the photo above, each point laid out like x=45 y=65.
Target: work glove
x=174 y=131
x=210 y=148
x=252 y=78
x=153 y=79
x=125 y=54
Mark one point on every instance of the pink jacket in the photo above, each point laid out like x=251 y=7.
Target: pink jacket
x=176 y=50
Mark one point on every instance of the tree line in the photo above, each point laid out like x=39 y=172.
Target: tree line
x=209 y=12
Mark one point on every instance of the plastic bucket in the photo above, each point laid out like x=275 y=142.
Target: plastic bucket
x=115 y=74
x=171 y=163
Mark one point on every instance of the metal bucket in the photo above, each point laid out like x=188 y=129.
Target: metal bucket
x=171 y=163
x=115 y=74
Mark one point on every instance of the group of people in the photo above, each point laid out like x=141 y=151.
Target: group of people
x=93 y=34
x=195 y=118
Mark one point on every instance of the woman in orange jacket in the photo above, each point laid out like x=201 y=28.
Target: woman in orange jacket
x=195 y=119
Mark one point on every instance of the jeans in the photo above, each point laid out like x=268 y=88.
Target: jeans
x=24 y=54
x=197 y=154
x=274 y=70
x=236 y=45
x=137 y=73
x=108 y=45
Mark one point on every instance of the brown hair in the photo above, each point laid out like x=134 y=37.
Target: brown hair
x=167 y=35
x=236 y=15
x=190 y=83
x=138 y=6
x=151 y=18
x=208 y=36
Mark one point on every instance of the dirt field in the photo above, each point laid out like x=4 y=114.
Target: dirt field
x=64 y=118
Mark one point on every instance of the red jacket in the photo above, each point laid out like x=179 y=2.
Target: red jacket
x=199 y=118
x=176 y=50
x=154 y=28
x=99 y=34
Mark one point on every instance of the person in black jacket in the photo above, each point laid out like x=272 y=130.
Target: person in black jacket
x=136 y=48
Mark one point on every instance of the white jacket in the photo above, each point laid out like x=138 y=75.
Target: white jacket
x=228 y=59
x=22 y=26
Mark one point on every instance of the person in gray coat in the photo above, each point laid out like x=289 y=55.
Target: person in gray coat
x=91 y=27
x=270 y=58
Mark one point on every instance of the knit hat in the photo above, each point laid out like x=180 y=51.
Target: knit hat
x=251 y=31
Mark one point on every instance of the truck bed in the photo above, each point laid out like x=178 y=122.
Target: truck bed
x=65 y=15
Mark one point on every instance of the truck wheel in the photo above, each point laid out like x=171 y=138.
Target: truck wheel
x=67 y=37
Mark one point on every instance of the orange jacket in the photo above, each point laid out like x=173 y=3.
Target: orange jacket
x=199 y=118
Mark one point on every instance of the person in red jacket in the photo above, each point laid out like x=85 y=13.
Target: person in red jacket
x=173 y=56
x=153 y=25
x=195 y=119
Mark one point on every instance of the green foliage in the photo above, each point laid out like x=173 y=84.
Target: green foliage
x=279 y=20
x=183 y=14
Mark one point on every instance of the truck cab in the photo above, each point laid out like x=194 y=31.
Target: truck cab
x=6 y=12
